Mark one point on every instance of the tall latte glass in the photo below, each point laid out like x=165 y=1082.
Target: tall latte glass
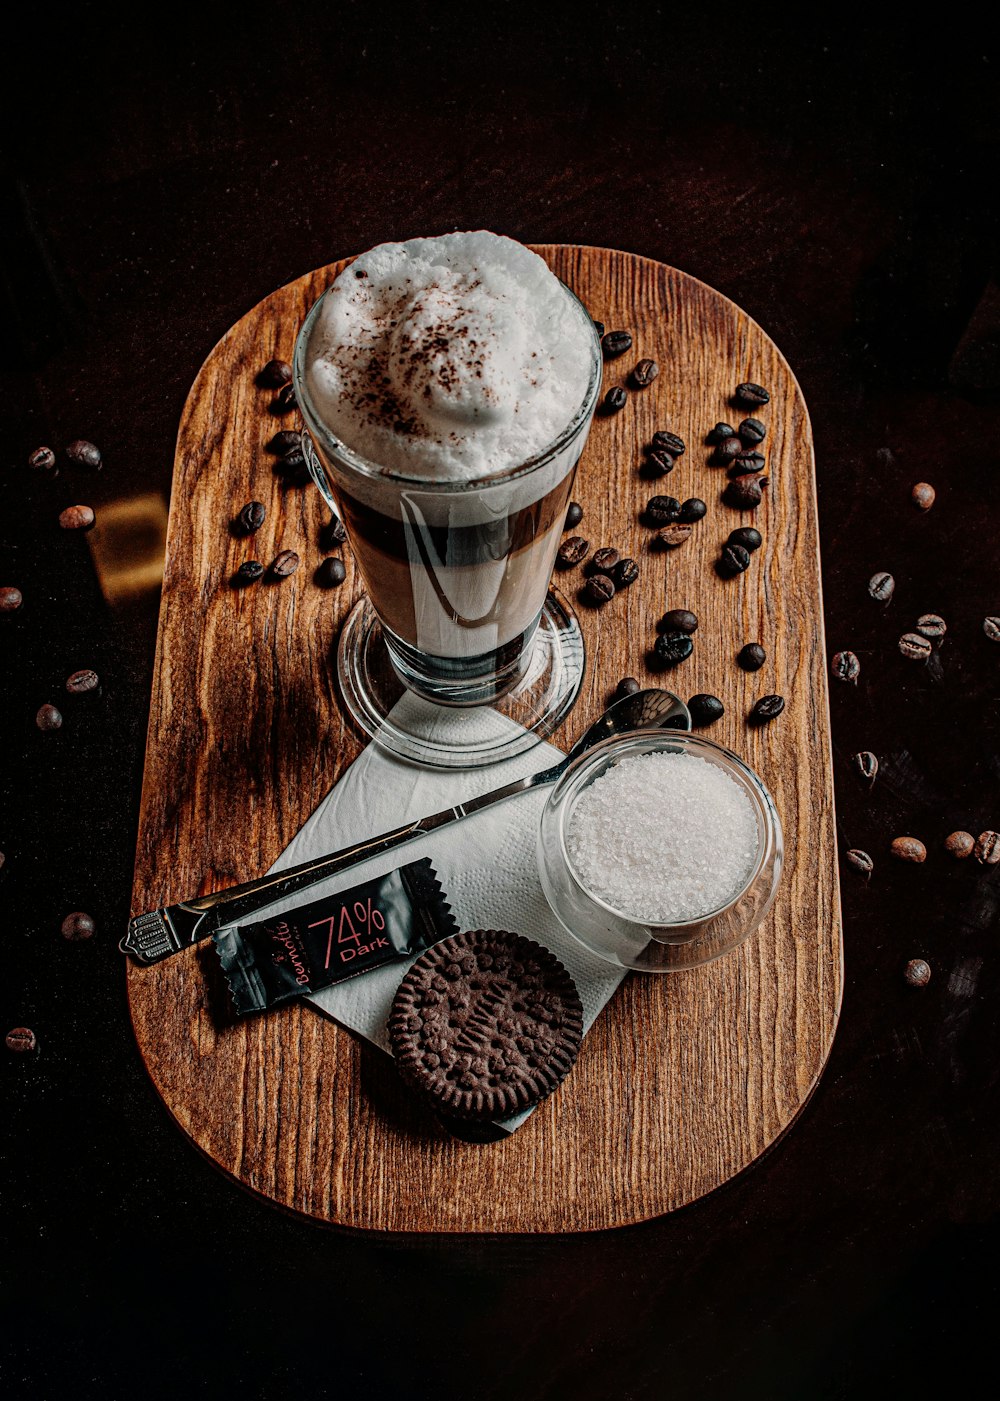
x=444 y=420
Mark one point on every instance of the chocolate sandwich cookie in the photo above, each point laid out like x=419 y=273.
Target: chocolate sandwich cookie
x=486 y=1024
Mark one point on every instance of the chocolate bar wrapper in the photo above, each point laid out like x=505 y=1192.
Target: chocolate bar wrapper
x=338 y=937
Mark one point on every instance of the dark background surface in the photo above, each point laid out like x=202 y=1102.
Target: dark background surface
x=839 y=184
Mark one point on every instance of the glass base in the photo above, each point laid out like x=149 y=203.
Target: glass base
x=452 y=738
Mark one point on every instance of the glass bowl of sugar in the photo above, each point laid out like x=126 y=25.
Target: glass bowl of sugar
x=659 y=852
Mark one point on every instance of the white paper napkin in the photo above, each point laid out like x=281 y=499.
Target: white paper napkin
x=485 y=862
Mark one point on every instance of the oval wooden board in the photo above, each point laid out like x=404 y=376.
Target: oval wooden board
x=685 y=1079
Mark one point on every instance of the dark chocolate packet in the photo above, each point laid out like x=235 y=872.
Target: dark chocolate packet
x=313 y=946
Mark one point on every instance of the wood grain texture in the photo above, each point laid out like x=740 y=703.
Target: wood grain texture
x=685 y=1079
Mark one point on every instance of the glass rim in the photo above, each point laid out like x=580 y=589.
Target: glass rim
x=363 y=465
x=752 y=783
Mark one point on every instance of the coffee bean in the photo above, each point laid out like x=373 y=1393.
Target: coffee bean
x=604 y=560
x=77 y=926
x=861 y=862
x=914 y=647
x=959 y=845
x=866 y=764
x=249 y=571
x=746 y=461
x=285 y=562
x=330 y=573
x=571 y=551
x=598 y=590
x=83 y=683
x=664 y=441
x=720 y=433
x=252 y=517
x=627 y=686
x=661 y=510
x=744 y=493
x=991 y=627
x=751 y=430
x=746 y=536
x=766 y=709
x=574 y=515
x=644 y=374
x=274 y=374
x=284 y=441
x=332 y=534
x=285 y=401
x=3 y=860
x=672 y=648
x=83 y=454
x=625 y=572
x=21 y=1039
x=291 y=463
x=678 y=620
x=658 y=463
x=615 y=343
x=705 y=710
x=881 y=587
x=615 y=399
x=923 y=495
x=733 y=560
x=726 y=451
x=76 y=518
x=908 y=849
x=693 y=509
x=751 y=395
x=846 y=667
x=751 y=657
x=48 y=718
x=599 y=328
x=987 y=848
x=671 y=536
x=917 y=973
x=43 y=459
x=11 y=599
x=931 y=626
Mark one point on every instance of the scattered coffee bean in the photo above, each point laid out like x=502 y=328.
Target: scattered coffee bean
x=285 y=401
x=931 y=626
x=615 y=399
x=846 y=667
x=572 y=551
x=11 y=599
x=678 y=620
x=751 y=395
x=720 y=433
x=644 y=374
x=330 y=573
x=914 y=647
x=84 y=454
x=248 y=573
x=923 y=495
x=598 y=590
x=627 y=686
x=284 y=441
x=48 y=718
x=658 y=463
x=881 y=587
x=959 y=845
x=861 y=862
x=766 y=709
x=661 y=510
x=987 y=848
x=693 y=509
x=746 y=461
x=746 y=536
x=671 y=536
x=77 y=926
x=917 y=972
x=908 y=849
x=43 y=459
x=751 y=430
x=574 y=515
x=991 y=627
x=274 y=374
x=744 y=492
x=291 y=464
x=252 y=517
x=76 y=518
x=672 y=648
x=866 y=764
x=615 y=343
x=332 y=534
x=83 y=683
x=705 y=710
x=604 y=560
x=751 y=657
x=625 y=572
x=664 y=441
x=284 y=563
x=733 y=560
x=599 y=328
x=726 y=451
x=21 y=1039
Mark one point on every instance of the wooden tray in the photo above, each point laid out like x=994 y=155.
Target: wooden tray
x=685 y=1079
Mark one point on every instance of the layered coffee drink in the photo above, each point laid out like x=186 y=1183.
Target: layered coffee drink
x=448 y=386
